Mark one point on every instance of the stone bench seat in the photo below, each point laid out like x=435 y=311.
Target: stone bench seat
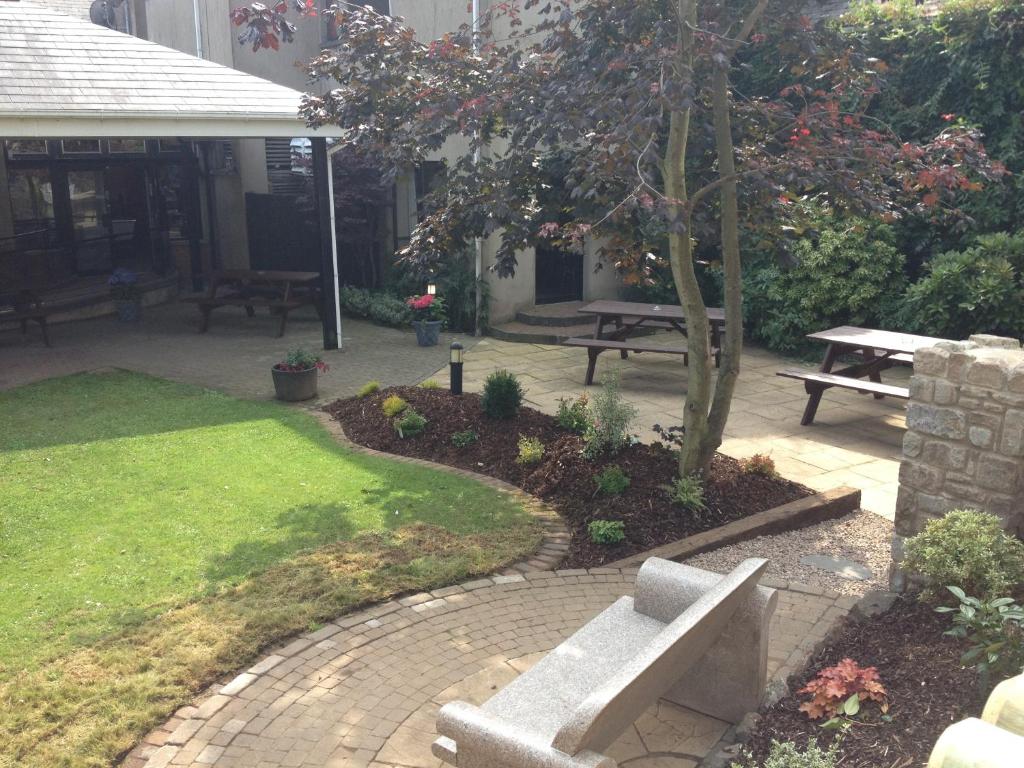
x=690 y=636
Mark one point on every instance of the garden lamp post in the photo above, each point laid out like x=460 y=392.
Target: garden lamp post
x=431 y=288
x=455 y=364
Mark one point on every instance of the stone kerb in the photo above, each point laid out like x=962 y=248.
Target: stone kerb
x=964 y=445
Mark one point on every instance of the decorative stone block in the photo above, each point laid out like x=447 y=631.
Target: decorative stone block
x=943 y=393
x=980 y=437
x=998 y=474
x=913 y=443
x=944 y=455
x=940 y=422
x=922 y=389
x=921 y=476
x=931 y=361
x=1012 y=441
x=998 y=342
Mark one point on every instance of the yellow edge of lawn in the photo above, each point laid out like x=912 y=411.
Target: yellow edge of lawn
x=90 y=707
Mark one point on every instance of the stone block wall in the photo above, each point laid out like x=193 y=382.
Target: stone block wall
x=964 y=445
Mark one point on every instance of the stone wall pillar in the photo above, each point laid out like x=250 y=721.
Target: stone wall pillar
x=964 y=446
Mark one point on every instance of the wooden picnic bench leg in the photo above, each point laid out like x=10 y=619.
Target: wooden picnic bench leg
x=592 y=354
x=623 y=353
x=815 y=390
x=874 y=374
x=284 y=309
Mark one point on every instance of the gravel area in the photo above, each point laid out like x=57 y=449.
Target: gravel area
x=863 y=537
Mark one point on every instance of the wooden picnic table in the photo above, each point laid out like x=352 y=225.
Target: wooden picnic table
x=616 y=323
x=279 y=290
x=877 y=351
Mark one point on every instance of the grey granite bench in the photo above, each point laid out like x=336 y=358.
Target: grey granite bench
x=689 y=636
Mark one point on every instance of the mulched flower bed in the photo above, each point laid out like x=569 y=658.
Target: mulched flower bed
x=926 y=687
x=564 y=478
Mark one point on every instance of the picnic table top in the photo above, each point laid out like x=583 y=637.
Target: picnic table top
x=646 y=311
x=890 y=341
x=267 y=275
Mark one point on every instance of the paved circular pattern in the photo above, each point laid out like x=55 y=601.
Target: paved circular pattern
x=363 y=690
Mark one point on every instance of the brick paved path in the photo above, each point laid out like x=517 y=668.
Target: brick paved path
x=364 y=690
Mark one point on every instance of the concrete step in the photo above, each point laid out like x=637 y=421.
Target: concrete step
x=537 y=334
x=559 y=315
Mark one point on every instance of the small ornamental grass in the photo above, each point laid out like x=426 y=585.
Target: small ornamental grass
x=688 y=492
x=612 y=481
x=610 y=419
x=368 y=389
x=393 y=405
x=464 y=439
x=410 y=424
x=503 y=394
x=430 y=384
x=531 y=450
x=969 y=550
x=607 y=531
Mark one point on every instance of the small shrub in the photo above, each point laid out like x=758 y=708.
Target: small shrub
x=464 y=439
x=531 y=450
x=612 y=481
x=368 y=388
x=606 y=531
x=969 y=550
x=573 y=414
x=688 y=492
x=610 y=419
x=995 y=630
x=786 y=754
x=841 y=689
x=388 y=310
x=430 y=384
x=410 y=424
x=393 y=405
x=759 y=464
x=503 y=394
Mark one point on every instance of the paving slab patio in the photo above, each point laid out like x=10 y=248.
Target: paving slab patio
x=364 y=690
x=855 y=439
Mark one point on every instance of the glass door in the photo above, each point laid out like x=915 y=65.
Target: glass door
x=90 y=220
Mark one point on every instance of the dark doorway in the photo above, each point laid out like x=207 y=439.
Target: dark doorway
x=282 y=233
x=559 y=276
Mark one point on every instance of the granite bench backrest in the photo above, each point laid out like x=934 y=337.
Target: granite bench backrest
x=658 y=666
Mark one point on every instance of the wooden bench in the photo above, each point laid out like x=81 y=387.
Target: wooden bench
x=22 y=307
x=693 y=637
x=595 y=347
x=816 y=382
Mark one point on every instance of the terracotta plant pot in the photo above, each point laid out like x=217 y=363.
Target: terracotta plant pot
x=428 y=332
x=293 y=386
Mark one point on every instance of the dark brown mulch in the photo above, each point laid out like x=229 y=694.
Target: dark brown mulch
x=920 y=669
x=564 y=478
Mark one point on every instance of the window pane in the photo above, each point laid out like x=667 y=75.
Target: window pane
x=79 y=146
x=26 y=146
x=31 y=200
x=127 y=145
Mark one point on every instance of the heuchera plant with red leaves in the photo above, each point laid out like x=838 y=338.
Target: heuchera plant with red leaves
x=426 y=307
x=841 y=689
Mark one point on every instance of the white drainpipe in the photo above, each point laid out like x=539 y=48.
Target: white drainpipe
x=199 y=29
x=334 y=239
x=478 y=243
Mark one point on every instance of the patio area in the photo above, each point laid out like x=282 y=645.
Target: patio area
x=854 y=441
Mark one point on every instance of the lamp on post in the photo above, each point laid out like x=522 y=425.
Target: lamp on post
x=455 y=364
x=431 y=288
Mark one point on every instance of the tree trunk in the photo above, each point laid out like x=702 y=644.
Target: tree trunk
x=692 y=458
x=732 y=344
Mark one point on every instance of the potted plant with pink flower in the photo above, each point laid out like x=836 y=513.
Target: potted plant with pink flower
x=427 y=318
x=296 y=377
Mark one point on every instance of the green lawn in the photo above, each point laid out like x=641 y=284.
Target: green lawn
x=154 y=535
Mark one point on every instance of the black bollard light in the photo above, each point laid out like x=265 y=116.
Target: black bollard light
x=455 y=364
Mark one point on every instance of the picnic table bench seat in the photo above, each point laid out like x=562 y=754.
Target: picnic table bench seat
x=24 y=306
x=690 y=636
x=816 y=380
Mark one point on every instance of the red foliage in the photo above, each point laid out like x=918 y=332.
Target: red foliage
x=834 y=685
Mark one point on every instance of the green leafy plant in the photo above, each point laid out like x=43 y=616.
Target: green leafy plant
x=612 y=481
x=786 y=754
x=610 y=419
x=503 y=394
x=968 y=549
x=573 y=414
x=531 y=450
x=393 y=405
x=758 y=464
x=688 y=492
x=410 y=424
x=382 y=308
x=430 y=384
x=995 y=631
x=302 y=360
x=841 y=690
x=464 y=439
x=606 y=531
x=368 y=389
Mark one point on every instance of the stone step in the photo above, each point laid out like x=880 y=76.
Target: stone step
x=535 y=334
x=563 y=314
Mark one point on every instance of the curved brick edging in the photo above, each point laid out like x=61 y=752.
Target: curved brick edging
x=363 y=690
x=554 y=545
